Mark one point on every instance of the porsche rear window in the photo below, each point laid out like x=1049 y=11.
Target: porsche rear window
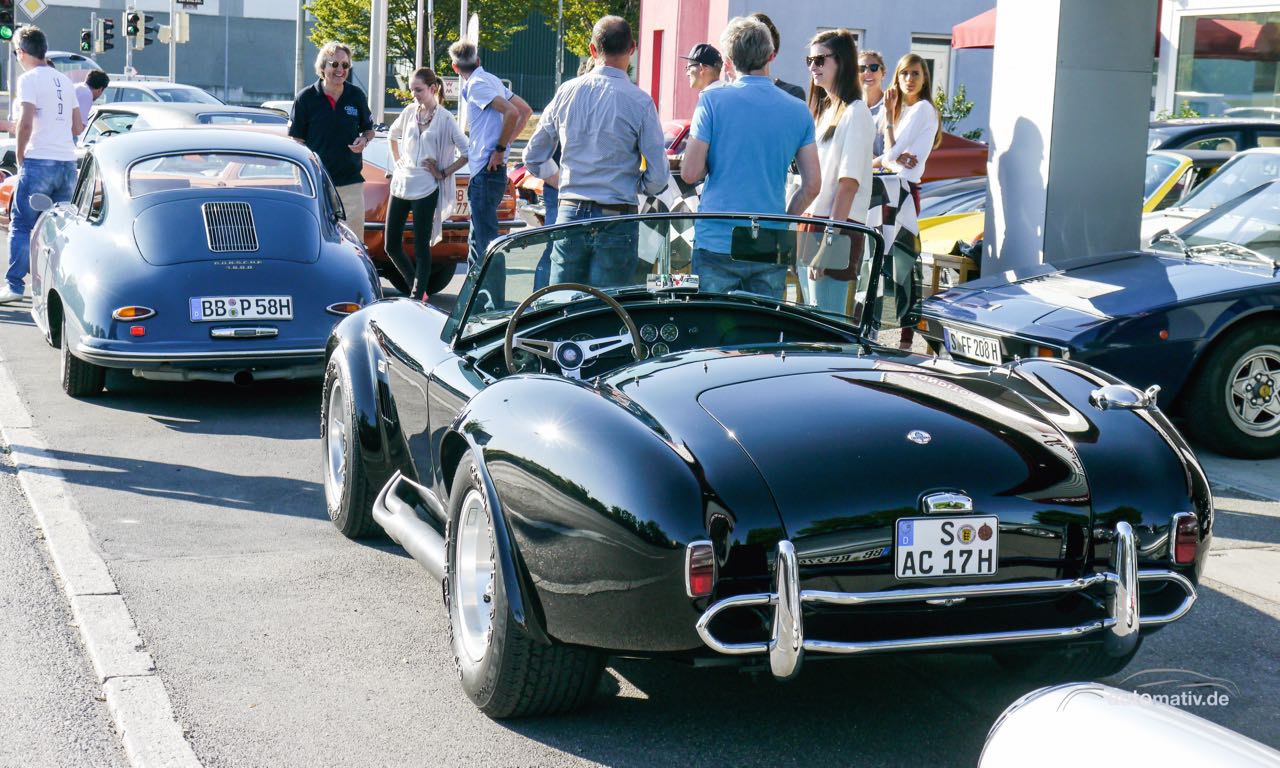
x=217 y=170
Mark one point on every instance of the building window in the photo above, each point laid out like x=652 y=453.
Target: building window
x=1229 y=65
x=936 y=52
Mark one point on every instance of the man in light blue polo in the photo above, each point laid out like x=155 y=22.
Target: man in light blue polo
x=743 y=139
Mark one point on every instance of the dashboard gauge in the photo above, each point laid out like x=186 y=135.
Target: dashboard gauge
x=525 y=361
x=660 y=349
x=580 y=337
x=669 y=332
x=649 y=333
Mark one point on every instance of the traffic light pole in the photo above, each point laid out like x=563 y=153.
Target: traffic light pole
x=173 y=41
x=128 y=45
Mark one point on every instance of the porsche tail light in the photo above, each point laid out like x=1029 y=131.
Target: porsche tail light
x=699 y=568
x=137 y=330
x=1186 y=538
x=923 y=325
x=342 y=308
x=133 y=313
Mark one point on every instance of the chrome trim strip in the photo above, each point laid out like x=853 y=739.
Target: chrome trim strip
x=244 y=332
x=787 y=644
x=90 y=353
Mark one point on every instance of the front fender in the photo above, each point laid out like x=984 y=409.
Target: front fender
x=351 y=341
x=599 y=507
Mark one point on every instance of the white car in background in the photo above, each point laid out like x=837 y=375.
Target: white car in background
x=155 y=91
x=1247 y=170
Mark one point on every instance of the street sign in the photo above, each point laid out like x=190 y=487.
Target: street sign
x=33 y=8
x=452 y=88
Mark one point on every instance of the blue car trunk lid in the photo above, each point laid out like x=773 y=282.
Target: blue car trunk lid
x=187 y=230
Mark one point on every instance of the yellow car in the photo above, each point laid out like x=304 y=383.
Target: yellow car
x=1170 y=176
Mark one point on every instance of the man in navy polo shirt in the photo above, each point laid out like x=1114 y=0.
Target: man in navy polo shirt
x=332 y=118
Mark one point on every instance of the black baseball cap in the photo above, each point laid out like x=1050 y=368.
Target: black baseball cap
x=704 y=53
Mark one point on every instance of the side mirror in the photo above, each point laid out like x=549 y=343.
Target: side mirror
x=40 y=201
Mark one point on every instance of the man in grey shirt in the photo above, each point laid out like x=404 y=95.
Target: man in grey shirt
x=607 y=130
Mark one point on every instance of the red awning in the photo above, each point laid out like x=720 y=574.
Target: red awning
x=1237 y=39
x=978 y=32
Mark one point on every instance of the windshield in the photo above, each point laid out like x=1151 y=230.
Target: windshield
x=185 y=96
x=1243 y=173
x=1158 y=136
x=217 y=170
x=1251 y=221
x=1159 y=168
x=759 y=259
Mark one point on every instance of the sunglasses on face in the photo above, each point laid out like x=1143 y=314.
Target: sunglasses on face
x=819 y=60
x=868 y=67
x=340 y=64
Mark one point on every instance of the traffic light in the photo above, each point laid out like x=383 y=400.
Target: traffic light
x=141 y=29
x=7 y=27
x=86 y=40
x=106 y=33
x=132 y=25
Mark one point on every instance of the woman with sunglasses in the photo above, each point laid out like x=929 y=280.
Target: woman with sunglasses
x=871 y=74
x=427 y=148
x=845 y=131
x=912 y=129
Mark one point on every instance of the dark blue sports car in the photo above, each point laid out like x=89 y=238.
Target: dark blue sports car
x=196 y=254
x=1200 y=318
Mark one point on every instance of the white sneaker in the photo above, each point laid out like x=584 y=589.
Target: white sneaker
x=8 y=296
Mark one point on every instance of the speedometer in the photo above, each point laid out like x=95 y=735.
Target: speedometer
x=669 y=332
x=649 y=333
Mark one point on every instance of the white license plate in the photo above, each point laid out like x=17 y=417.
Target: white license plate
x=461 y=207
x=972 y=345
x=207 y=309
x=939 y=547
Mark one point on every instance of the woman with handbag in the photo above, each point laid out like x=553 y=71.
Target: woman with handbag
x=845 y=132
x=427 y=148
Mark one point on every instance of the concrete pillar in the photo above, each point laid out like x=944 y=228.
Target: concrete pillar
x=1070 y=99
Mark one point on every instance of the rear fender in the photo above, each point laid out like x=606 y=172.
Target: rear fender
x=598 y=508
x=352 y=341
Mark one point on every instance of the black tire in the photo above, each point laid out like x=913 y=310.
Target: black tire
x=79 y=378
x=514 y=676
x=1064 y=665
x=349 y=497
x=441 y=275
x=396 y=279
x=1211 y=407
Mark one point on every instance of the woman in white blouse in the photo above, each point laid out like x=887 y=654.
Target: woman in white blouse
x=427 y=147
x=845 y=132
x=912 y=129
x=871 y=74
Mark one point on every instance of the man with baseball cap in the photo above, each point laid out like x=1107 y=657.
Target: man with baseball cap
x=703 y=69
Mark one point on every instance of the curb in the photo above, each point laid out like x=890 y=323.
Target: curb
x=135 y=696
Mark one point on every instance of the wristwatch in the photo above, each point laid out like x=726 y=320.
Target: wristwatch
x=499 y=147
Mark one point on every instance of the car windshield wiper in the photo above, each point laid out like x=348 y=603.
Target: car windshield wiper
x=1229 y=250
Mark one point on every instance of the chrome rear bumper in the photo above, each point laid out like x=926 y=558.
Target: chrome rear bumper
x=788 y=643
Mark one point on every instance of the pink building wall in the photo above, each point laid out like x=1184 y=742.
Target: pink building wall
x=680 y=24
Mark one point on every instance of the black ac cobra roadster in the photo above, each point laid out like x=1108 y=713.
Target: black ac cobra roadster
x=684 y=458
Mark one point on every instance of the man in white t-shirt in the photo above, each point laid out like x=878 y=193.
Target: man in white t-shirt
x=48 y=120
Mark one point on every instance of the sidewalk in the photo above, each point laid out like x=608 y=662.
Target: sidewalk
x=1258 y=478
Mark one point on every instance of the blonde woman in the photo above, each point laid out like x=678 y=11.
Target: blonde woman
x=871 y=72
x=912 y=126
x=427 y=148
x=845 y=132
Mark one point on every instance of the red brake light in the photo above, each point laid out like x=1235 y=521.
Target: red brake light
x=137 y=330
x=1186 y=538
x=699 y=568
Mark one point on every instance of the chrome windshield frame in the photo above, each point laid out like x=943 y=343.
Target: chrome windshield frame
x=454 y=325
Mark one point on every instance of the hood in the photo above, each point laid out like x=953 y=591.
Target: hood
x=842 y=470
x=173 y=232
x=1074 y=298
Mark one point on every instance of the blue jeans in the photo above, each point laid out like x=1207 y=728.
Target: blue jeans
x=604 y=258
x=826 y=293
x=55 y=178
x=719 y=273
x=484 y=194
x=551 y=205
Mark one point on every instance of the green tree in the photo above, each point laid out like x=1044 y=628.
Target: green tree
x=954 y=110
x=581 y=15
x=1184 y=110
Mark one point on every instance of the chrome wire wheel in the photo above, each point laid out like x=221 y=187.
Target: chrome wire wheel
x=473 y=581
x=1253 y=392
x=335 y=466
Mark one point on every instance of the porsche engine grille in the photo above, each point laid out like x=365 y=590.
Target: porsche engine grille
x=229 y=227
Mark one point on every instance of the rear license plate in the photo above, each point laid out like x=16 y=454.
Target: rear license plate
x=460 y=205
x=207 y=309
x=972 y=345
x=932 y=547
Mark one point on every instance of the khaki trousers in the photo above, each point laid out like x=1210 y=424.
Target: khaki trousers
x=352 y=197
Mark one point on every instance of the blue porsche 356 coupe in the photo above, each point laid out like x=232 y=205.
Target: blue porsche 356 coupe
x=196 y=254
x=642 y=461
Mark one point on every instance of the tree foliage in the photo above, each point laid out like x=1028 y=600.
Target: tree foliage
x=348 y=22
x=954 y=110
